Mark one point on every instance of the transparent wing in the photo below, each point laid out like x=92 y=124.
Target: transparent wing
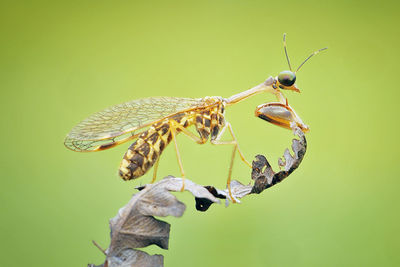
x=120 y=123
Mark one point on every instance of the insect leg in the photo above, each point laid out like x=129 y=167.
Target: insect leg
x=173 y=133
x=232 y=142
x=155 y=170
x=235 y=148
x=216 y=142
x=228 y=181
x=188 y=133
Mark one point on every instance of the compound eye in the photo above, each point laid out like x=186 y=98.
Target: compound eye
x=287 y=78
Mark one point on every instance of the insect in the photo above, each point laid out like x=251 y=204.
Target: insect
x=155 y=122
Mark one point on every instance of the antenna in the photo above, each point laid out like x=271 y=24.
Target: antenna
x=284 y=47
x=314 y=53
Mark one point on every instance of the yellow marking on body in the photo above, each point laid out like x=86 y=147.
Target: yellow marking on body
x=149 y=155
x=139 y=142
x=191 y=118
x=183 y=120
x=129 y=153
x=124 y=170
x=156 y=146
x=164 y=138
x=124 y=166
x=124 y=163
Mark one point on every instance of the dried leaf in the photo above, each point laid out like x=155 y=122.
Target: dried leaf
x=132 y=258
x=135 y=226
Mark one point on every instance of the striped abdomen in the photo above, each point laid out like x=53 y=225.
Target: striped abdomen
x=143 y=153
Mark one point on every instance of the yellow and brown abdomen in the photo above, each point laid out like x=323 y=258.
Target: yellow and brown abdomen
x=143 y=153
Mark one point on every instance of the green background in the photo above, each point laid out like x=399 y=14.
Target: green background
x=60 y=61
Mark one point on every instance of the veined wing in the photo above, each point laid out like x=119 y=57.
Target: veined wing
x=120 y=123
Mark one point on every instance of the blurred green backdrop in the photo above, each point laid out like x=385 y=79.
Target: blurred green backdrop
x=60 y=61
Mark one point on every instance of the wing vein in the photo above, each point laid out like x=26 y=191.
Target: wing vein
x=122 y=122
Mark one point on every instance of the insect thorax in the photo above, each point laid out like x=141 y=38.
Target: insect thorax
x=210 y=119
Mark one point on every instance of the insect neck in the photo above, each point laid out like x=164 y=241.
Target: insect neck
x=261 y=88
